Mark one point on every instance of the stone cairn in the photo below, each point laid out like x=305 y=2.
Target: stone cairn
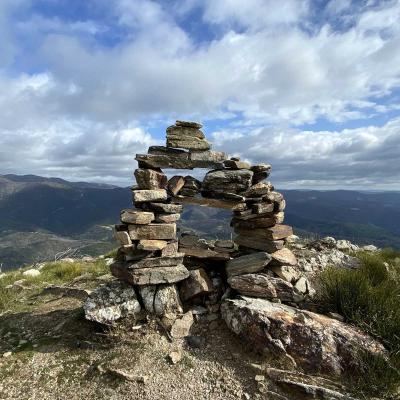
x=170 y=276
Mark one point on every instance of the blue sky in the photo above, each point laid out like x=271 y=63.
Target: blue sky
x=312 y=87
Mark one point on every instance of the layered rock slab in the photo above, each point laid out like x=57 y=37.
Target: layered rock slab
x=312 y=341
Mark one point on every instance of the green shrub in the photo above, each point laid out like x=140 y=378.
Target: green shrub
x=369 y=297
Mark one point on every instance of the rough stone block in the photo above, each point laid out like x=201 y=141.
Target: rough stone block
x=175 y=184
x=140 y=196
x=150 y=179
x=197 y=284
x=259 y=243
x=152 y=231
x=130 y=216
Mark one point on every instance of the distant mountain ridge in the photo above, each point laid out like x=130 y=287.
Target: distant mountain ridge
x=77 y=212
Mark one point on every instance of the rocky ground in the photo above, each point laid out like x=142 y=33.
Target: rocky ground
x=48 y=350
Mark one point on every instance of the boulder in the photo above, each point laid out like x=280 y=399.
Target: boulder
x=311 y=341
x=232 y=181
x=152 y=231
x=264 y=286
x=161 y=300
x=130 y=216
x=140 y=196
x=150 y=179
x=149 y=276
x=247 y=264
x=197 y=284
x=111 y=302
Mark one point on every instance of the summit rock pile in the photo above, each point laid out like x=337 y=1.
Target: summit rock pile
x=242 y=280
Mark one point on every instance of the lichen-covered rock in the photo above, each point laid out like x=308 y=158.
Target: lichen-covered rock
x=161 y=300
x=311 y=341
x=111 y=302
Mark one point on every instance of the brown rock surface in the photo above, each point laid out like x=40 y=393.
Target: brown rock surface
x=152 y=231
x=311 y=341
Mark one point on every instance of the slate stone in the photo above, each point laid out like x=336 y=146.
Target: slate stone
x=276 y=232
x=190 y=124
x=185 y=131
x=187 y=142
x=247 y=264
x=259 y=243
x=149 y=276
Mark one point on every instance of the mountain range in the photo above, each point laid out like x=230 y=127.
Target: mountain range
x=41 y=217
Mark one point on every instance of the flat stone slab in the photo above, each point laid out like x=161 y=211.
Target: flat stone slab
x=264 y=286
x=185 y=131
x=164 y=161
x=130 y=216
x=247 y=264
x=151 y=262
x=152 y=245
x=187 y=142
x=259 y=243
x=201 y=201
x=169 y=208
x=284 y=257
x=149 y=276
x=152 y=231
x=308 y=340
x=140 y=196
x=204 y=253
x=276 y=232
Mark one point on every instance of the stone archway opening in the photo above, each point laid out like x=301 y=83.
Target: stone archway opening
x=171 y=273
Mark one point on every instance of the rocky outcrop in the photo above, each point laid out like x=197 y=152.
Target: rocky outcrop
x=308 y=340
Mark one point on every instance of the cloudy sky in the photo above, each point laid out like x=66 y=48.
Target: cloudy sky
x=310 y=86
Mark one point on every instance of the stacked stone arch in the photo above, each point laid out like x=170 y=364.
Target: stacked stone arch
x=169 y=274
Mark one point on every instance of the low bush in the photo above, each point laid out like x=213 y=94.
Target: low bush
x=369 y=297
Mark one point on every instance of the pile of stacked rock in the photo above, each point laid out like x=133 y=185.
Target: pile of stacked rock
x=150 y=257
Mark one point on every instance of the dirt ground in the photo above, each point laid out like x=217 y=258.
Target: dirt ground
x=57 y=354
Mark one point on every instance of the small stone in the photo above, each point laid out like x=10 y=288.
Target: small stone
x=31 y=273
x=167 y=218
x=149 y=195
x=259 y=378
x=123 y=238
x=233 y=164
x=7 y=354
x=175 y=184
x=284 y=257
x=175 y=356
x=181 y=326
x=259 y=189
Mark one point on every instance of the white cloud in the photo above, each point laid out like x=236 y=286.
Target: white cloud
x=81 y=108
